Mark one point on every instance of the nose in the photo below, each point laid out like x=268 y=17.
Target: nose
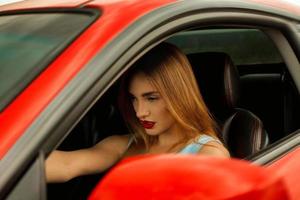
x=141 y=110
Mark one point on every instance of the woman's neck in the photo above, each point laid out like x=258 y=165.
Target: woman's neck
x=168 y=140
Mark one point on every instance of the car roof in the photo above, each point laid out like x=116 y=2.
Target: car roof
x=40 y=4
x=292 y=6
x=29 y=4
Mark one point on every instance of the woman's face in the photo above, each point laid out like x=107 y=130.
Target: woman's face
x=150 y=108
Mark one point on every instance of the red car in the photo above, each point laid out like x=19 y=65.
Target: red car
x=60 y=63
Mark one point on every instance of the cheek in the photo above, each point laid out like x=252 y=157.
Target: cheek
x=162 y=114
x=165 y=116
x=170 y=119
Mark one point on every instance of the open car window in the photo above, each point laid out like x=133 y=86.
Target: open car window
x=267 y=89
x=245 y=46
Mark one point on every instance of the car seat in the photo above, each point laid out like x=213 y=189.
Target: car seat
x=219 y=82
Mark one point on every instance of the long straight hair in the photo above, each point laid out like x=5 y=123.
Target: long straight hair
x=170 y=72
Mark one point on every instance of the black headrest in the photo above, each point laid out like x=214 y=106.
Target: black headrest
x=218 y=80
x=244 y=134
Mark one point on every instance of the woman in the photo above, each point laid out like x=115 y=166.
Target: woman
x=162 y=105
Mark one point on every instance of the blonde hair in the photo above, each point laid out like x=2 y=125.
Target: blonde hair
x=169 y=70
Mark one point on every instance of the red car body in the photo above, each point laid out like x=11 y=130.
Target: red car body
x=116 y=17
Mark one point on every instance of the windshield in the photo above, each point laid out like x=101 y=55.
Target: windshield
x=29 y=42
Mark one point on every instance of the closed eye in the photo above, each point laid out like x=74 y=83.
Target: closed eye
x=132 y=97
x=152 y=98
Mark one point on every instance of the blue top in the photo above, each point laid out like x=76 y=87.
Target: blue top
x=194 y=147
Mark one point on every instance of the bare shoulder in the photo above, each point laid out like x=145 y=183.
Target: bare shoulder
x=214 y=148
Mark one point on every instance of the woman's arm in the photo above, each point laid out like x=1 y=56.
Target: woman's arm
x=62 y=166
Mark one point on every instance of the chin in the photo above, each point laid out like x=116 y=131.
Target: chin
x=151 y=132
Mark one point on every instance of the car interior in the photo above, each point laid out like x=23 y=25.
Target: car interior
x=245 y=84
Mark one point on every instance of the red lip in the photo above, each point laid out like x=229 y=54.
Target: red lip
x=147 y=124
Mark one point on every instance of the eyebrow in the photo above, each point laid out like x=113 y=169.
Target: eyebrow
x=147 y=93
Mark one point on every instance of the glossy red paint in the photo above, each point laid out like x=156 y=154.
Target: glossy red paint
x=288 y=168
x=175 y=176
x=18 y=116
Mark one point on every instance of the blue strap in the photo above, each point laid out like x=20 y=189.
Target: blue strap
x=194 y=147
